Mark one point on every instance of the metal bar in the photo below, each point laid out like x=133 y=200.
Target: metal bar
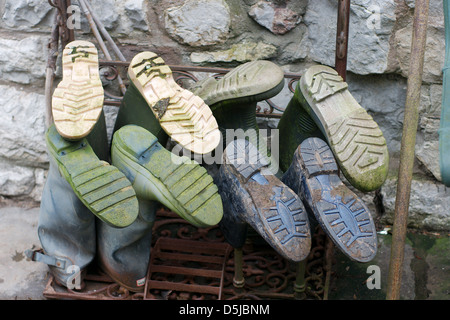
x=300 y=283
x=104 y=32
x=411 y=119
x=50 y=71
x=167 y=285
x=238 y=279
x=343 y=21
x=100 y=41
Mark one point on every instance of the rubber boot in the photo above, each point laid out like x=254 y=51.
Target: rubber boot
x=253 y=195
x=339 y=211
x=66 y=227
x=124 y=253
x=355 y=139
x=77 y=101
x=156 y=174
x=234 y=97
x=294 y=127
x=183 y=116
x=134 y=110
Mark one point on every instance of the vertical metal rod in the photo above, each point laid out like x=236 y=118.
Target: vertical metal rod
x=411 y=119
x=300 y=282
x=50 y=71
x=343 y=21
x=238 y=280
x=100 y=41
x=104 y=32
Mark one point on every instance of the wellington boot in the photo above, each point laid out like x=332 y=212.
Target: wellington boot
x=183 y=116
x=101 y=187
x=66 y=230
x=233 y=99
x=124 y=253
x=134 y=110
x=261 y=201
x=354 y=137
x=294 y=127
x=156 y=174
x=340 y=212
x=77 y=101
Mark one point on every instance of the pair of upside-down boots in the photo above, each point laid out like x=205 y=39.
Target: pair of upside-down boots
x=101 y=201
x=91 y=208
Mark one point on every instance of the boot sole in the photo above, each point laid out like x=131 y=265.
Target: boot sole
x=252 y=81
x=354 y=137
x=339 y=211
x=102 y=188
x=77 y=101
x=184 y=116
x=273 y=209
x=178 y=183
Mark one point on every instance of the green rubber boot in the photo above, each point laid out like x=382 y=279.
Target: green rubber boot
x=354 y=137
x=295 y=126
x=233 y=99
x=156 y=174
x=101 y=187
x=134 y=110
x=183 y=116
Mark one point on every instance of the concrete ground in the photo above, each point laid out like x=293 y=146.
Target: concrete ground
x=426 y=272
x=20 y=278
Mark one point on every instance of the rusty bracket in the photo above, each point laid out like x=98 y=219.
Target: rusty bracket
x=343 y=21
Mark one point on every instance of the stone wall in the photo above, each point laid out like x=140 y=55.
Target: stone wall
x=225 y=33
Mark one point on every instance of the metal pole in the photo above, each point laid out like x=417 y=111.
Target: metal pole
x=104 y=32
x=238 y=280
x=343 y=21
x=100 y=41
x=411 y=119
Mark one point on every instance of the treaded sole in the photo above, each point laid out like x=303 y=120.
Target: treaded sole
x=251 y=81
x=177 y=182
x=354 y=137
x=340 y=212
x=77 y=101
x=184 y=116
x=102 y=188
x=278 y=214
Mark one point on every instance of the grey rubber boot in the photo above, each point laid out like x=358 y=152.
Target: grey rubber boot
x=66 y=230
x=124 y=253
x=66 y=227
